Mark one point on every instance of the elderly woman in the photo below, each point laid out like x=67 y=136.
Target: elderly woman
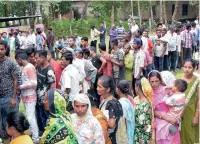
x=190 y=120
x=161 y=109
x=86 y=126
x=59 y=128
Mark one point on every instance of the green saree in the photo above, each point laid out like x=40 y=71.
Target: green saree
x=190 y=134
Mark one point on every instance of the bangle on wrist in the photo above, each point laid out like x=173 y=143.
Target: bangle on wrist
x=160 y=117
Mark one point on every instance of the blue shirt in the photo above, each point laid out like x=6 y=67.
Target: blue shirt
x=102 y=29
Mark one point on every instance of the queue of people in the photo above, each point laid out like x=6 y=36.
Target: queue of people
x=128 y=96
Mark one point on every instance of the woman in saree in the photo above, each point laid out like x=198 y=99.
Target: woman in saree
x=143 y=112
x=127 y=124
x=190 y=119
x=59 y=128
x=160 y=110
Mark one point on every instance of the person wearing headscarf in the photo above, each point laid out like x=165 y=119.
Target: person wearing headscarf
x=143 y=112
x=59 y=128
x=86 y=126
x=128 y=119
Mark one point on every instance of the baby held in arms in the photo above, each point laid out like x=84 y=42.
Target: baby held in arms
x=175 y=99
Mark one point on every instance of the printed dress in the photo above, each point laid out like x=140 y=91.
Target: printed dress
x=143 y=117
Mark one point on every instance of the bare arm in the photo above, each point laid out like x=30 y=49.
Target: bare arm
x=103 y=63
x=111 y=123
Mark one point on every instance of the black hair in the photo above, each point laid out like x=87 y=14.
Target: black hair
x=30 y=51
x=73 y=38
x=164 y=29
x=50 y=29
x=138 y=83
x=115 y=42
x=191 y=61
x=21 y=55
x=159 y=24
x=188 y=26
x=93 y=26
x=102 y=46
x=16 y=33
x=86 y=51
x=93 y=100
x=38 y=30
x=18 y=121
x=84 y=38
x=68 y=56
x=193 y=24
x=181 y=85
x=155 y=74
x=10 y=34
x=108 y=82
x=123 y=86
x=3 y=43
x=59 y=37
x=158 y=30
x=43 y=53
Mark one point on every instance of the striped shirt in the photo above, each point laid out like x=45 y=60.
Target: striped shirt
x=187 y=39
x=120 y=32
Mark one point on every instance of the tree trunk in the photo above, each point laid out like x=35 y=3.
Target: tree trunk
x=165 y=12
x=161 y=12
x=175 y=11
x=112 y=18
x=139 y=13
x=6 y=13
x=151 y=11
x=84 y=11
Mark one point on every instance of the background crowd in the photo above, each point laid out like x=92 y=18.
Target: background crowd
x=126 y=92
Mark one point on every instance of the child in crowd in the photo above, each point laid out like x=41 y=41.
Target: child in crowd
x=176 y=103
x=16 y=124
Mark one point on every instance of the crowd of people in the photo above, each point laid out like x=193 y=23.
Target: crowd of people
x=128 y=94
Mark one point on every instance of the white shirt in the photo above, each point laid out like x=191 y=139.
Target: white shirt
x=145 y=43
x=179 y=43
x=134 y=28
x=172 y=41
x=33 y=38
x=139 y=62
x=70 y=78
x=79 y=64
x=28 y=41
x=165 y=38
x=21 y=40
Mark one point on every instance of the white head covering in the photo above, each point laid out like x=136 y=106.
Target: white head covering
x=168 y=78
x=83 y=98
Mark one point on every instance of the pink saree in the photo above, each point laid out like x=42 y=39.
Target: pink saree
x=160 y=106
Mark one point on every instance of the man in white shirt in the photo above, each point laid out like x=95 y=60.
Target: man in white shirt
x=28 y=41
x=165 y=42
x=172 y=48
x=145 y=40
x=134 y=27
x=21 y=40
x=70 y=78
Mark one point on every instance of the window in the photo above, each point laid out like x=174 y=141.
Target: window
x=173 y=7
x=154 y=10
x=184 y=9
